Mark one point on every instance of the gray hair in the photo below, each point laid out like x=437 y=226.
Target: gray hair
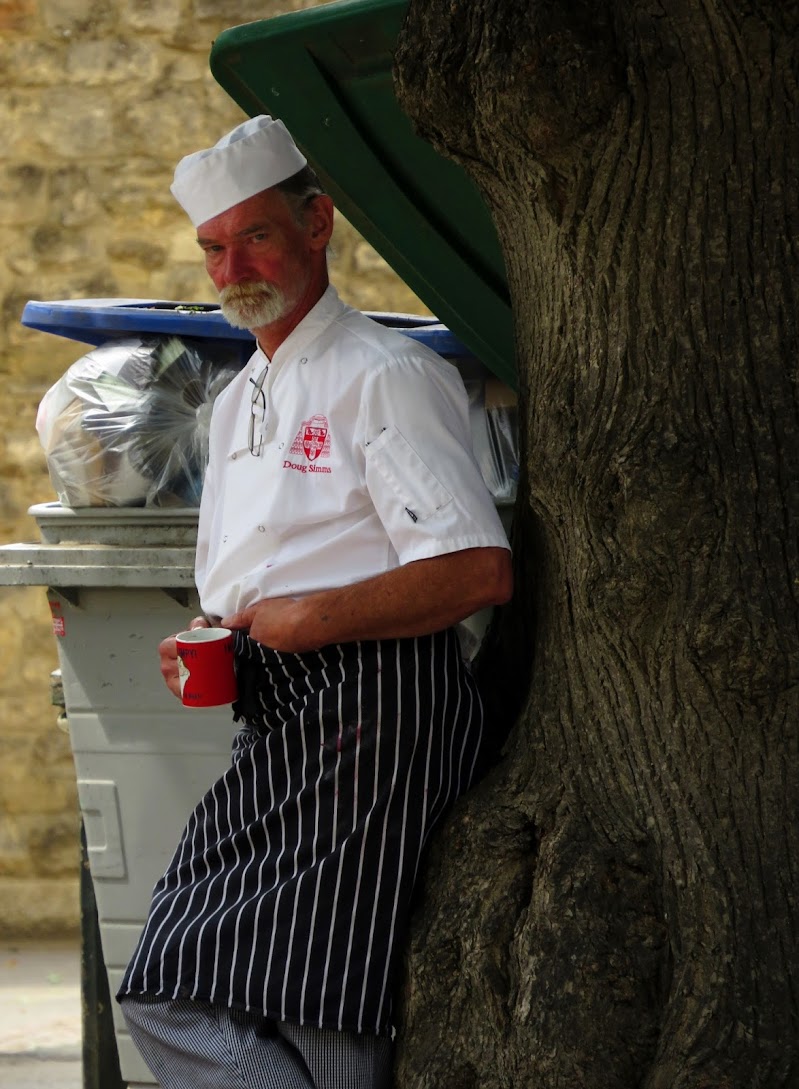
x=299 y=190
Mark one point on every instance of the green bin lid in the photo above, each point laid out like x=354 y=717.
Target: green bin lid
x=326 y=72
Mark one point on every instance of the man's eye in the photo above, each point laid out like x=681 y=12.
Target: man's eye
x=259 y=237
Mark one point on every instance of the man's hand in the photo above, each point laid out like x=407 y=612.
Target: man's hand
x=168 y=653
x=275 y=622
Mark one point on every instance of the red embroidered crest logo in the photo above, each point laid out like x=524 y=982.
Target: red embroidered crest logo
x=313 y=439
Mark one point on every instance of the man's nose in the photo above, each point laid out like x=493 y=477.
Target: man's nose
x=236 y=267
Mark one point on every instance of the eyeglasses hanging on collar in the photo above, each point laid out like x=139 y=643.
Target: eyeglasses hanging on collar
x=257 y=414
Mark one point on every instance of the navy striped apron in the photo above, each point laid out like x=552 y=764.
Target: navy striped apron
x=289 y=891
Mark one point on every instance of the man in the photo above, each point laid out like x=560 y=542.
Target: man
x=344 y=531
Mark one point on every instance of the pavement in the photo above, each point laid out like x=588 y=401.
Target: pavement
x=40 y=1016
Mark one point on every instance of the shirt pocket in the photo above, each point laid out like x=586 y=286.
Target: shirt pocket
x=418 y=489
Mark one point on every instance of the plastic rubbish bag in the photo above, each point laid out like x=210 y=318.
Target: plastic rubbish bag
x=127 y=425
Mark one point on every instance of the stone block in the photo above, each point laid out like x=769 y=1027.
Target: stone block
x=15 y=860
x=366 y=259
x=184 y=282
x=16 y=16
x=181 y=120
x=185 y=68
x=19 y=111
x=100 y=62
x=26 y=63
x=22 y=262
x=159 y=16
x=54 y=244
x=51 y=752
x=68 y=18
x=183 y=248
x=24 y=449
x=37 y=908
x=54 y=844
x=40 y=846
x=137 y=252
x=73 y=196
x=80 y=123
x=20 y=795
x=26 y=606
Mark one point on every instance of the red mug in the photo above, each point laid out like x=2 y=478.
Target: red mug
x=205 y=667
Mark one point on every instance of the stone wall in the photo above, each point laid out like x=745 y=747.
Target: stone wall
x=101 y=98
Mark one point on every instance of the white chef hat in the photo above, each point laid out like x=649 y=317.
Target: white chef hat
x=256 y=155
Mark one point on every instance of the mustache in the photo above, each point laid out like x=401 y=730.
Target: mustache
x=243 y=292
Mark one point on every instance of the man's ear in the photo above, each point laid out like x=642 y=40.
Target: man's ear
x=320 y=221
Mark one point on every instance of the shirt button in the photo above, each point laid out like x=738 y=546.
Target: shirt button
x=303 y=360
x=261 y=529
x=233 y=456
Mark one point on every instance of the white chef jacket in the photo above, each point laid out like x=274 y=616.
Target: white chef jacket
x=366 y=464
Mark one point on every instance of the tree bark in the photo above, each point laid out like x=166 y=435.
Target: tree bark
x=617 y=904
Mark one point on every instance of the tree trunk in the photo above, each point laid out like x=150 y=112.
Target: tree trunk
x=617 y=904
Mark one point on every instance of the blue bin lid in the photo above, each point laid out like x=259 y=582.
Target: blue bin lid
x=93 y=321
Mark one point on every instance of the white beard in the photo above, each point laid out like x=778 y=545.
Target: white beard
x=252 y=305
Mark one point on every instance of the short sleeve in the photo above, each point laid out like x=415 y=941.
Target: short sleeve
x=421 y=474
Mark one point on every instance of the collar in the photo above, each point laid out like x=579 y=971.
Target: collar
x=322 y=314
